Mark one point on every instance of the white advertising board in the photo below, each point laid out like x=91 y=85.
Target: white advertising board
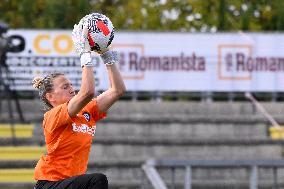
x=161 y=61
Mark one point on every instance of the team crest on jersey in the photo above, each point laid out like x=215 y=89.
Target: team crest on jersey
x=87 y=116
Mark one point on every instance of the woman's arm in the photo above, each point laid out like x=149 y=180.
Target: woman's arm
x=85 y=94
x=117 y=87
x=87 y=90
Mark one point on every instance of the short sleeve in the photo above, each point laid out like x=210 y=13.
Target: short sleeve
x=56 y=117
x=93 y=108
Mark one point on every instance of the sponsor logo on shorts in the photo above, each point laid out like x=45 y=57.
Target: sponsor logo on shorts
x=83 y=128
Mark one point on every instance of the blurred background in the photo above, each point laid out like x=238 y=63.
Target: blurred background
x=204 y=101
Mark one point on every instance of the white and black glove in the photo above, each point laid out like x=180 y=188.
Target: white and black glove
x=81 y=44
x=109 y=57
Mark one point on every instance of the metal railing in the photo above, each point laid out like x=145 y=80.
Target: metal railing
x=150 y=170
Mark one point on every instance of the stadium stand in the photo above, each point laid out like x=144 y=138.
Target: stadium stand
x=19 y=153
x=136 y=132
x=276 y=133
x=21 y=130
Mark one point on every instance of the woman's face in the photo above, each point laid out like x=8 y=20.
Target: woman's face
x=62 y=91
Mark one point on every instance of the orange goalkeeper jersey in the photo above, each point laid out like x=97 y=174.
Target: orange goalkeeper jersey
x=68 y=142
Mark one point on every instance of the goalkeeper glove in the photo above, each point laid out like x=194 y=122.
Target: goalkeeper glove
x=109 y=57
x=81 y=44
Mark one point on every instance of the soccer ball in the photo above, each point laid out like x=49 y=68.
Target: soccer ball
x=100 y=31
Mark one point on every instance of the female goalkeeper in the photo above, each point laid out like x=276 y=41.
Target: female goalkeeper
x=70 y=124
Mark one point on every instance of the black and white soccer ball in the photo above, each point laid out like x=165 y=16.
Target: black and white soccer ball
x=100 y=31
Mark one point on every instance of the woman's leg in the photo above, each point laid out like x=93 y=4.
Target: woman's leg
x=86 y=181
x=91 y=181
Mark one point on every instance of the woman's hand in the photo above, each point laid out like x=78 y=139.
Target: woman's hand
x=81 y=43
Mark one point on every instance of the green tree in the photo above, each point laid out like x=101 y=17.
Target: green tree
x=43 y=13
x=154 y=15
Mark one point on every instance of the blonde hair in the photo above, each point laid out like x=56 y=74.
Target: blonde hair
x=37 y=81
x=45 y=85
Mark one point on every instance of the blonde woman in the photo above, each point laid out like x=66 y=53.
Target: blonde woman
x=70 y=123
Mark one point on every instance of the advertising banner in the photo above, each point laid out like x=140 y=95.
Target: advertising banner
x=157 y=61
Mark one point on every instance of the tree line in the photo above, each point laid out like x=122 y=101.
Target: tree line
x=145 y=15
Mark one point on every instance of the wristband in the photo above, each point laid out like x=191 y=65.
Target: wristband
x=109 y=57
x=86 y=59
